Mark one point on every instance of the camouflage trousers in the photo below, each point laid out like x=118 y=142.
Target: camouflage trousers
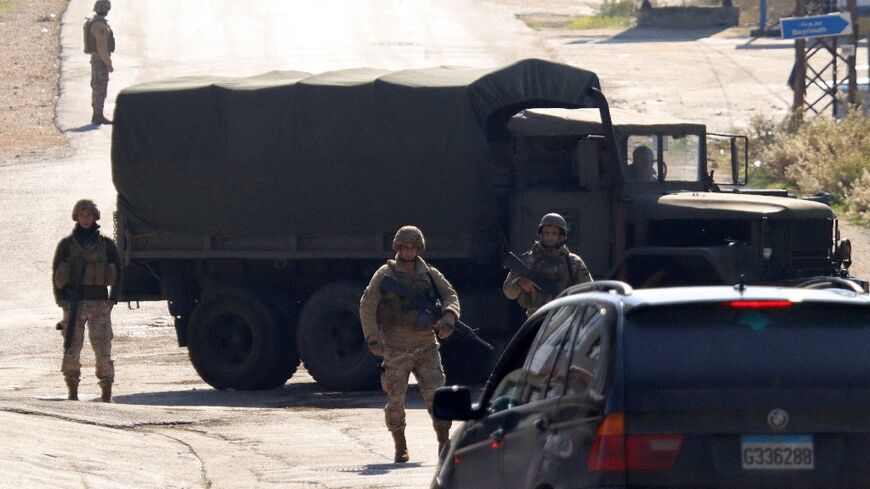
x=399 y=363
x=97 y=314
x=99 y=83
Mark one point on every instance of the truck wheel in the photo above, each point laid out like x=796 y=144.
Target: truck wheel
x=234 y=342
x=288 y=358
x=331 y=341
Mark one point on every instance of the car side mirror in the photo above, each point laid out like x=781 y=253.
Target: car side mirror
x=452 y=403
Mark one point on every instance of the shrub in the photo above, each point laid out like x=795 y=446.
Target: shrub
x=859 y=199
x=615 y=8
x=819 y=155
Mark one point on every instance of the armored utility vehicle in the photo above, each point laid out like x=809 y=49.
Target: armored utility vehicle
x=259 y=207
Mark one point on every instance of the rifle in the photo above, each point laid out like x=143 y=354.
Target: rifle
x=516 y=265
x=74 y=302
x=428 y=307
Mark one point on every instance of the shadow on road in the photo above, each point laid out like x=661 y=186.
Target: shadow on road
x=650 y=34
x=381 y=469
x=85 y=128
x=309 y=395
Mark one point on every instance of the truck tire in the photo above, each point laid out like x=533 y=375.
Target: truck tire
x=288 y=359
x=331 y=341
x=235 y=342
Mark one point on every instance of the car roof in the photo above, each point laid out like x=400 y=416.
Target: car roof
x=668 y=296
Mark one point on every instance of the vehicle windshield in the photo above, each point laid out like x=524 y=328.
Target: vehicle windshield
x=678 y=161
x=704 y=346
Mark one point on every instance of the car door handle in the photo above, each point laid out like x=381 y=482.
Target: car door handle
x=542 y=423
x=497 y=435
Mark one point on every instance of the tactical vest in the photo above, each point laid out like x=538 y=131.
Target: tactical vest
x=395 y=314
x=93 y=262
x=91 y=41
x=555 y=268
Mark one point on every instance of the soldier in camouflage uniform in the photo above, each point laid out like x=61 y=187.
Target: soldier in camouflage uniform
x=85 y=264
x=99 y=43
x=550 y=257
x=391 y=331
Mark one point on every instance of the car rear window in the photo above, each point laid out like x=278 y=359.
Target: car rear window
x=720 y=346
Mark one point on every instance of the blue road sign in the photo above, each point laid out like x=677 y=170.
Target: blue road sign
x=837 y=24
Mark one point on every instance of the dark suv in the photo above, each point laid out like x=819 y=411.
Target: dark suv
x=696 y=387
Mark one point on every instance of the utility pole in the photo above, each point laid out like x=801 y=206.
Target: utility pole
x=799 y=71
x=852 y=7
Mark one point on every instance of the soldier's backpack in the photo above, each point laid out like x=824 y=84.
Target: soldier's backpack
x=90 y=42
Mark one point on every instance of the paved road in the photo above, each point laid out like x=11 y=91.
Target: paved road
x=168 y=428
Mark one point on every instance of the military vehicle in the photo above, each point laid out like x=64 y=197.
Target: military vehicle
x=260 y=207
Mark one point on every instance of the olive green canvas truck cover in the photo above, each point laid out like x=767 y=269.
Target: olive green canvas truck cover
x=344 y=152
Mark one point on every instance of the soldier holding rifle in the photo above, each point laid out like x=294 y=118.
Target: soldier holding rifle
x=85 y=264
x=546 y=269
x=390 y=325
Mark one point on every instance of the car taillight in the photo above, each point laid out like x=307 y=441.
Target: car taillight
x=613 y=450
x=759 y=304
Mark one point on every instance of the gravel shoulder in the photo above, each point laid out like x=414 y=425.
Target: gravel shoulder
x=30 y=34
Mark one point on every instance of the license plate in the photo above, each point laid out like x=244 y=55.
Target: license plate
x=777 y=452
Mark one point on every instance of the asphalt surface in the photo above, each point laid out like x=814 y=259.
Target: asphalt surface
x=168 y=428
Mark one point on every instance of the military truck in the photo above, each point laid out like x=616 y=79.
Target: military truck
x=259 y=207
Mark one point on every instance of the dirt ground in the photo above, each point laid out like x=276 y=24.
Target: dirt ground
x=30 y=32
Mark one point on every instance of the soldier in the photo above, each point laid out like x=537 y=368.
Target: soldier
x=100 y=44
x=390 y=328
x=642 y=168
x=85 y=264
x=551 y=258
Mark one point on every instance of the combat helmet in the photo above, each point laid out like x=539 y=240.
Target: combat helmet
x=411 y=235
x=102 y=7
x=553 y=219
x=86 y=204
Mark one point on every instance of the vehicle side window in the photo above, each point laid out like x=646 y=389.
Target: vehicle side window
x=507 y=392
x=586 y=360
x=561 y=367
x=545 y=363
x=543 y=360
x=551 y=163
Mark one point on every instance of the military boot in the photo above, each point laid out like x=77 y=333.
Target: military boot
x=443 y=434
x=401 y=447
x=98 y=118
x=73 y=389
x=106 y=393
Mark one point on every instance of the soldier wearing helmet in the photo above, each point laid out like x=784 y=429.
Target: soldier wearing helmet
x=85 y=265
x=100 y=44
x=642 y=168
x=390 y=326
x=551 y=258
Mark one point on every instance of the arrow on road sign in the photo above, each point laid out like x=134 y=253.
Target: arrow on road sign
x=836 y=24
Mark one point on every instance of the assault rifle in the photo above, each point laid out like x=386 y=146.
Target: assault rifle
x=428 y=306
x=515 y=264
x=74 y=302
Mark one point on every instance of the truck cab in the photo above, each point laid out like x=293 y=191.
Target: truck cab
x=657 y=214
